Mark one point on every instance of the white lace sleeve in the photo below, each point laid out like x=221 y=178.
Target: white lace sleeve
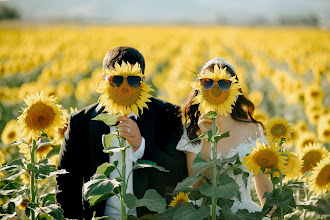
x=183 y=144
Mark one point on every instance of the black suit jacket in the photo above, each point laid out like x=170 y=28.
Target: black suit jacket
x=81 y=153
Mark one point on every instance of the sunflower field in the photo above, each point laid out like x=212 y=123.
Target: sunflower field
x=284 y=71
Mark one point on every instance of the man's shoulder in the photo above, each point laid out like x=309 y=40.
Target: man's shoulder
x=84 y=113
x=165 y=107
x=163 y=104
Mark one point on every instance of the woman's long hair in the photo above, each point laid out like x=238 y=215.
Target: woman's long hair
x=242 y=110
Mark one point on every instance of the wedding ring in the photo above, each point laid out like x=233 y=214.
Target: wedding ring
x=129 y=129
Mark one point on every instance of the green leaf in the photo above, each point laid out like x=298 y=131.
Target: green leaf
x=187 y=211
x=168 y=214
x=52 y=209
x=153 y=201
x=44 y=216
x=15 y=143
x=130 y=200
x=245 y=177
x=8 y=208
x=96 y=199
x=194 y=194
x=105 y=169
x=12 y=165
x=241 y=214
x=218 y=137
x=187 y=182
x=107 y=118
x=47 y=197
x=199 y=164
x=321 y=206
x=113 y=149
x=12 y=188
x=7 y=216
x=225 y=202
x=211 y=115
x=107 y=139
x=99 y=185
x=147 y=164
x=56 y=150
x=43 y=142
x=206 y=135
x=15 y=174
x=227 y=188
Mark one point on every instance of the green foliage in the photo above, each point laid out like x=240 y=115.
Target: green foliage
x=7 y=12
x=98 y=185
x=108 y=119
x=187 y=211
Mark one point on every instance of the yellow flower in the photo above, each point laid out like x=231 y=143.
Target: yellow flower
x=25 y=178
x=260 y=115
x=311 y=155
x=320 y=178
x=314 y=93
x=256 y=97
x=64 y=89
x=179 y=198
x=54 y=159
x=267 y=157
x=41 y=114
x=9 y=133
x=124 y=98
x=305 y=139
x=278 y=128
x=60 y=134
x=293 y=165
x=323 y=128
x=215 y=99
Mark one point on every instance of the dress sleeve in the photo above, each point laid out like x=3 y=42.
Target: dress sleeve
x=184 y=145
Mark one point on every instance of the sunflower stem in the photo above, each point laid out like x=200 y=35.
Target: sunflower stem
x=281 y=190
x=214 y=170
x=122 y=143
x=32 y=178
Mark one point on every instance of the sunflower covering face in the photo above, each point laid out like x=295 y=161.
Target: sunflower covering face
x=214 y=98
x=124 y=99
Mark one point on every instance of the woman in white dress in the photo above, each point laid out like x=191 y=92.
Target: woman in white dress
x=244 y=131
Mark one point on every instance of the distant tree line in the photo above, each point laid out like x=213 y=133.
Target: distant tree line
x=7 y=12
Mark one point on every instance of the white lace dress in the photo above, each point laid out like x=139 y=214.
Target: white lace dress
x=242 y=149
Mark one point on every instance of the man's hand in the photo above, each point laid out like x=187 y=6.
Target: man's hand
x=128 y=129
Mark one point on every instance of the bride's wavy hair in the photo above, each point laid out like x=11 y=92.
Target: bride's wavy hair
x=242 y=111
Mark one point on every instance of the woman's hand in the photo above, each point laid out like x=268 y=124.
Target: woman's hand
x=205 y=124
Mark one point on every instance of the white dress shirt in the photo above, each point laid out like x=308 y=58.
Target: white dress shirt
x=113 y=205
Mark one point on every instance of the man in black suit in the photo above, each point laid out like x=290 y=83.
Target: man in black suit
x=157 y=130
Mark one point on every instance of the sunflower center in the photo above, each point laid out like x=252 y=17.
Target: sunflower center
x=279 y=130
x=266 y=159
x=323 y=178
x=12 y=134
x=315 y=94
x=215 y=95
x=306 y=142
x=310 y=160
x=124 y=95
x=326 y=133
x=40 y=116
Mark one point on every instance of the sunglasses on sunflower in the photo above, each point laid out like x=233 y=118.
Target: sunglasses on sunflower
x=133 y=81
x=223 y=84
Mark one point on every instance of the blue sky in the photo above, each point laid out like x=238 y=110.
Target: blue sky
x=172 y=11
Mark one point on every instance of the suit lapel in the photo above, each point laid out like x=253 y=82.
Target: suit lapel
x=97 y=129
